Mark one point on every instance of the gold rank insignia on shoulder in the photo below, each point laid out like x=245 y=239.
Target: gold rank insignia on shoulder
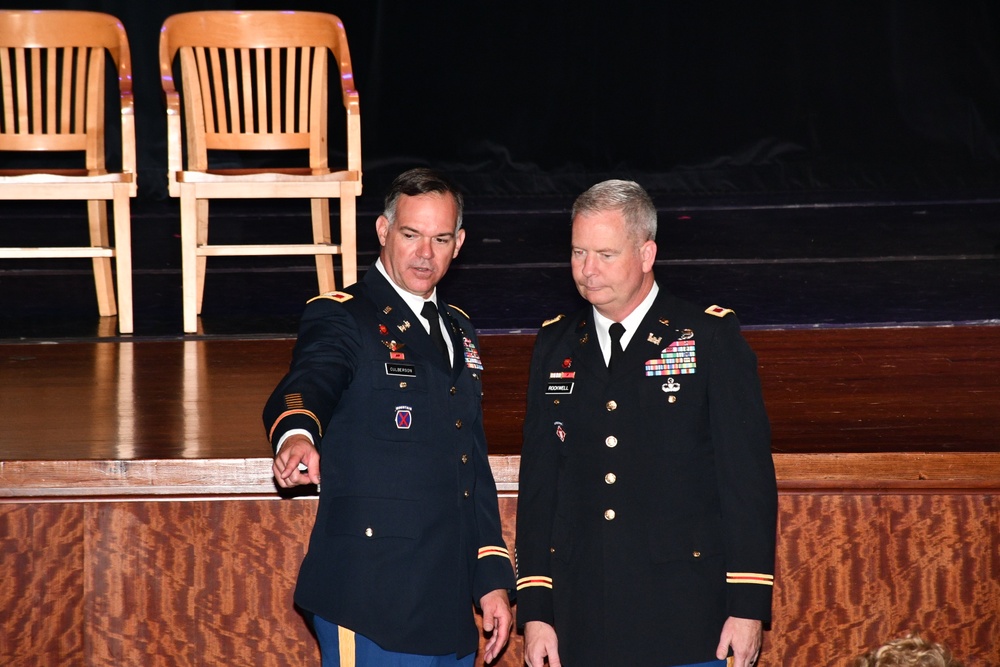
x=339 y=297
x=553 y=320
x=464 y=314
x=718 y=311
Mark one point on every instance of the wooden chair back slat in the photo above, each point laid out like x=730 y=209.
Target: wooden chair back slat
x=290 y=60
x=79 y=112
x=93 y=118
x=66 y=90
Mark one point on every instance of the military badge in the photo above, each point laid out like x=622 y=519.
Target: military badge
x=560 y=432
x=404 y=416
x=339 y=297
x=718 y=311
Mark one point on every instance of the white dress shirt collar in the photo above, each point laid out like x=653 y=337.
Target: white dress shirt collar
x=631 y=323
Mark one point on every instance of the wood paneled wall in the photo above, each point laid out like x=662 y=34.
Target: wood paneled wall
x=208 y=581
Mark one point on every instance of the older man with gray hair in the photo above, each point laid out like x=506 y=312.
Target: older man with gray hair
x=647 y=502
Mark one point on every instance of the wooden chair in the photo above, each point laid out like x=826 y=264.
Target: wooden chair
x=258 y=81
x=52 y=72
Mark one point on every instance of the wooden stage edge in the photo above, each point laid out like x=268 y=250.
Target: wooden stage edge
x=971 y=472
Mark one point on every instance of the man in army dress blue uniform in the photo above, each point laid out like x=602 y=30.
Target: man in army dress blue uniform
x=385 y=412
x=647 y=500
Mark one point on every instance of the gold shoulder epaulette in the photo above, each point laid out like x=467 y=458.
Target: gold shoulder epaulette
x=553 y=320
x=339 y=297
x=465 y=314
x=718 y=311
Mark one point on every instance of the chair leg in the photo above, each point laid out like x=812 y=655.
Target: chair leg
x=97 y=217
x=321 y=234
x=349 y=238
x=189 y=268
x=123 y=256
x=201 y=259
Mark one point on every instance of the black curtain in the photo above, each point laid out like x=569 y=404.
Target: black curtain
x=545 y=98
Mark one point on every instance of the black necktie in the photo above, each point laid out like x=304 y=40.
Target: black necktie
x=616 y=331
x=430 y=313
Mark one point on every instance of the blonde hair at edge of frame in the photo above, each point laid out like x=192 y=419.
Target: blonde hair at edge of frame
x=910 y=651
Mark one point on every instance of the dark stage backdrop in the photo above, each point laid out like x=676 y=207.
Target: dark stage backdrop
x=823 y=98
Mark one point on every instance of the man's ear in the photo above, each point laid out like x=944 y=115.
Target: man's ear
x=459 y=240
x=648 y=254
x=382 y=229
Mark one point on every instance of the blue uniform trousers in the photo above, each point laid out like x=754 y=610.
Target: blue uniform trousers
x=341 y=647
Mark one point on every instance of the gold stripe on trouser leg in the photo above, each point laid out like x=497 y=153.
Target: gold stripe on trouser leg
x=346 y=646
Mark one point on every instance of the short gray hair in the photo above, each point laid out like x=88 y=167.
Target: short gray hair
x=629 y=198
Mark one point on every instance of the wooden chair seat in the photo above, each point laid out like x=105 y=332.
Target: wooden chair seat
x=258 y=81
x=52 y=82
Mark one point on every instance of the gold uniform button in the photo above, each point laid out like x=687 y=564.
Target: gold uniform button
x=453 y=391
x=671 y=399
x=611 y=441
x=369 y=532
x=465 y=458
x=555 y=401
x=610 y=478
x=458 y=423
x=402 y=385
x=696 y=554
x=465 y=494
x=611 y=406
x=609 y=515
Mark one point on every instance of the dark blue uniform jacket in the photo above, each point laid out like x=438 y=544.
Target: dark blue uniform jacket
x=407 y=534
x=647 y=501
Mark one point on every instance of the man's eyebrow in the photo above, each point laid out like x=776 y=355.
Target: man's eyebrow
x=412 y=230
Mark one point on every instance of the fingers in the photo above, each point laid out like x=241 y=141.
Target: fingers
x=296 y=465
x=491 y=650
x=500 y=634
x=540 y=642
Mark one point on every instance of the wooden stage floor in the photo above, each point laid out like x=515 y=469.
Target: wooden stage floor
x=904 y=394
